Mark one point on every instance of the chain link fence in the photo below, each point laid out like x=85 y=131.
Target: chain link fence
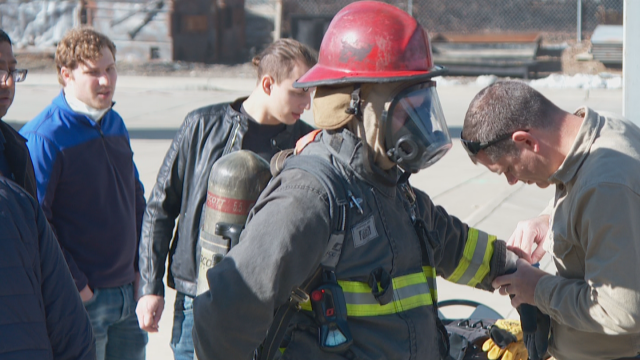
x=556 y=20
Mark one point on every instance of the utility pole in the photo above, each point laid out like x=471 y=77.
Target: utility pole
x=277 y=22
x=579 y=20
x=630 y=63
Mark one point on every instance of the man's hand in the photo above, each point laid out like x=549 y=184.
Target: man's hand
x=526 y=234
x=86 y=294
x=521 y=284
x=149 y=311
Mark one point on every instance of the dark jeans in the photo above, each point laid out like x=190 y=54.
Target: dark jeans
x=115 y=325
x=181 y=338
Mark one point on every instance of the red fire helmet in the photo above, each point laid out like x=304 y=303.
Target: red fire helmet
x=373 y=42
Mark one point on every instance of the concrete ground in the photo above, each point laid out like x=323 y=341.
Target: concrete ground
x=154 y=107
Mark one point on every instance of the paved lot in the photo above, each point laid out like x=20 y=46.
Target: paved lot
x=154 y=107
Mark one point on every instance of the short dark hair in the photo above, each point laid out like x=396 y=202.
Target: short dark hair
x=505 y=107
x=279 y=59
x=4 y=37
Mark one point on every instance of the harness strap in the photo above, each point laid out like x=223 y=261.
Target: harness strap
x=306 y=140
x=334 y=185
x=283 y=316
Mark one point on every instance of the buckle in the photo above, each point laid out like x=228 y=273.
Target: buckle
x=298 y=295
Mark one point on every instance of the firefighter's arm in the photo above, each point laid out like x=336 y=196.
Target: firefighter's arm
x=462 y=254
x=282 y=244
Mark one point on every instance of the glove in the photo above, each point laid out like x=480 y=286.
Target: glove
x=536 y=326
x=506 y=341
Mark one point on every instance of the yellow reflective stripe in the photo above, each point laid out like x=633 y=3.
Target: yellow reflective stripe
x=430 y=274
x=469 y=249
x=393 y=307
x=408 y=280
x=475 y=262
x=355 y=286
x=409 y=292
x=484 y=268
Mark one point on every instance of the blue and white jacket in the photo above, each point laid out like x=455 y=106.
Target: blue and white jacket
x=89 y=189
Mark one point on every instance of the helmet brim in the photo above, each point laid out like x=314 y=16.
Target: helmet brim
x=320 y=75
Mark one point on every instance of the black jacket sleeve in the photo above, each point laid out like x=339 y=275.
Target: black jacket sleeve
x=448 y=236
x=161 y=212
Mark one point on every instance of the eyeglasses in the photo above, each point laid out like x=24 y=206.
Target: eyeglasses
x=474 y=147
x=17 y=75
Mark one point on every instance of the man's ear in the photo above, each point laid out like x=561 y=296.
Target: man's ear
x=66 y=74
x=525 y=139
x=267 y=83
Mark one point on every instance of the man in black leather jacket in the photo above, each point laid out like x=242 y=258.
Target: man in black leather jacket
x=265 y=122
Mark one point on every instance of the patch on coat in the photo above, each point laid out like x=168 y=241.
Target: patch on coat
x=364 y=232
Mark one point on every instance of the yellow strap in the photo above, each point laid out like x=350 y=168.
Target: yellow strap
x=430 y=274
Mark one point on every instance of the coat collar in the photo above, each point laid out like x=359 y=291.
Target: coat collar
x=349 y=150
x=579 y=151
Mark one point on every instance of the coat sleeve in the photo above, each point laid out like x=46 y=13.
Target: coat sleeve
x=67 y=321
x=281 y=246
x=141 y=205
x=161 y=212
x=607 y=299
x=462 y=254
x=46 y=165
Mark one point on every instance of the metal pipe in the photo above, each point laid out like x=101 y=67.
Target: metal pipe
x=277 y=23
x=579 y=22
x=630 y=64
x=410 y=7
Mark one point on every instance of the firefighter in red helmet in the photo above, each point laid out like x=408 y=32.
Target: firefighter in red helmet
x=339 y=256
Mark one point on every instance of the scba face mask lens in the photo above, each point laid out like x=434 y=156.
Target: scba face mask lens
x=416 y=134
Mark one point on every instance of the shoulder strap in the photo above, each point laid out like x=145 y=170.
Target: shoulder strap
x=306 y=140
x=338 y=195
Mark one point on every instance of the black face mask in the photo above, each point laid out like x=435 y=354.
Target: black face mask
x=416 y=134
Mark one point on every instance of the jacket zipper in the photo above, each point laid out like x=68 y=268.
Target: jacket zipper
x=104 y=146
x=232 y=139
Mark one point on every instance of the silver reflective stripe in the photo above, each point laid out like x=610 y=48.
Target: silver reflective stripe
x=360 y=298
x=477 y=258
x=412 y=290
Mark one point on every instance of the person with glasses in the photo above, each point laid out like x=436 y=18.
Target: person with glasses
x=41 y=313
x=15 y=162
x=590 y=227
x=89 y=189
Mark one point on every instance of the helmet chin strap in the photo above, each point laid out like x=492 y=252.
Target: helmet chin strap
x=354 y=104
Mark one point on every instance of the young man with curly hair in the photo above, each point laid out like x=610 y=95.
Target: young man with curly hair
x=88 y=187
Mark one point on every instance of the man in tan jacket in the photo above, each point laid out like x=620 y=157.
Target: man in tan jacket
x=591 y=227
